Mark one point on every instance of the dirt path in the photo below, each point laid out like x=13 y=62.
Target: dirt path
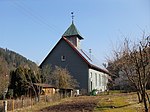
x=76 y=104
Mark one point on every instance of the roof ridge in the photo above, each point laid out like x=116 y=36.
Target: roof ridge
x=86 y=59
x=86 y=55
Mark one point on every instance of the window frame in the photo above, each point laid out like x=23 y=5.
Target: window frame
x=63 y=58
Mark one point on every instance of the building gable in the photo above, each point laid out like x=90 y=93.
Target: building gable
x=68 y=54
x=77 y=67
x=63 y=49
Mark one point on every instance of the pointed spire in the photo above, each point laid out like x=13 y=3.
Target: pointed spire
x=72 y=30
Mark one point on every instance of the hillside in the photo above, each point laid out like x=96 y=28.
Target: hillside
x=9 y=61
x=15 y=60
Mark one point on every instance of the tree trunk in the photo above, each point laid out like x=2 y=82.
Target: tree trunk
x=144 y=100
x=139 y=97
x=148 y=98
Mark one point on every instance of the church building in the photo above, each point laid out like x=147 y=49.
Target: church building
x=68 y=54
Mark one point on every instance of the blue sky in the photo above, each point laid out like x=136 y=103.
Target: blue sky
x=32 y=27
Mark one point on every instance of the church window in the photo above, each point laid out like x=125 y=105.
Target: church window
x=100 y=81
x=96 y=78
x=63 y=58
x=91 y=74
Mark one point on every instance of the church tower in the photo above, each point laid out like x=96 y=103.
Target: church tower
x=73 y=35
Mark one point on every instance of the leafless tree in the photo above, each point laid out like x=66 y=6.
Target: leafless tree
x=4 y=75
x=134 y=61
x=46 y=72
x=61 y=78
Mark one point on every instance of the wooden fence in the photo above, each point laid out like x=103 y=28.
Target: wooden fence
x=26 y=101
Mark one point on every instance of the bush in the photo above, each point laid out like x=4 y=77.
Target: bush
x=94 y=92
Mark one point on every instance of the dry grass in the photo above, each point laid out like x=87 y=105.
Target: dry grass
x=115 y=102
x=119 y=102
x=39 y=106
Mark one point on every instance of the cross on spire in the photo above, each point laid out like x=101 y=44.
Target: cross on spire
x=72 y=16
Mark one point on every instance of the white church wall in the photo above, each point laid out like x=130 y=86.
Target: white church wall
x=97 y=80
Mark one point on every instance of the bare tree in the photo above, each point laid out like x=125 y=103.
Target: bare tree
x=46 y=72
x=134 y=62
x=61 y=78
x=4 y=75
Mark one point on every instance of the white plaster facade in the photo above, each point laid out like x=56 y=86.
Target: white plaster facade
x=97 y=80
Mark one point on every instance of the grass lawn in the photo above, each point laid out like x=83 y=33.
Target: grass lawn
x=118 y=102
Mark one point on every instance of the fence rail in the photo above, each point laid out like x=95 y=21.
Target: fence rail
x=26 y=101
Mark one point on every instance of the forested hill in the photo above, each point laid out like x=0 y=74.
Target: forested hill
x=14 y=60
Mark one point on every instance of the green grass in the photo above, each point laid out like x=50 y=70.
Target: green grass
x=118 y=102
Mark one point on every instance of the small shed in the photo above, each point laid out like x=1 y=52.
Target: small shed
x=65 y=92
x=46 y=89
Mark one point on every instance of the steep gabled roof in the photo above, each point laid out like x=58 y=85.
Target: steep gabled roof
x=82 y=54
x=91 y=63
x=72 y=31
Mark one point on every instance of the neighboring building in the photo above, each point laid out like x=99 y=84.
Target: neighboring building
x=81 y=65
x=46 y=89
x=65 y=92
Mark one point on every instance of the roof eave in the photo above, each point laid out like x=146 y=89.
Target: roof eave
x=89 y=64
x=98 y=68
x=49 y=53
x=80 y=37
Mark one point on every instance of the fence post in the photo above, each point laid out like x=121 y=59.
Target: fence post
x=5 y=105
x=31 y=103
x=13 y=105
x=22 y=102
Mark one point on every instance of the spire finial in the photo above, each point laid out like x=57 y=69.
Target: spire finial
x=72 y=16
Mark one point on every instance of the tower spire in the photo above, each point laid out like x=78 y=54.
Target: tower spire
x=72 y=16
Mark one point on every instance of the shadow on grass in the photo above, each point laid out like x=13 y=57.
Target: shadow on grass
x=113 y=106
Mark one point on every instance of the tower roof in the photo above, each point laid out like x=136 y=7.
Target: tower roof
x=72 y=31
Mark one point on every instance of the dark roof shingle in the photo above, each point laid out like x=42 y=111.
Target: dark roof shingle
x=72 y=31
